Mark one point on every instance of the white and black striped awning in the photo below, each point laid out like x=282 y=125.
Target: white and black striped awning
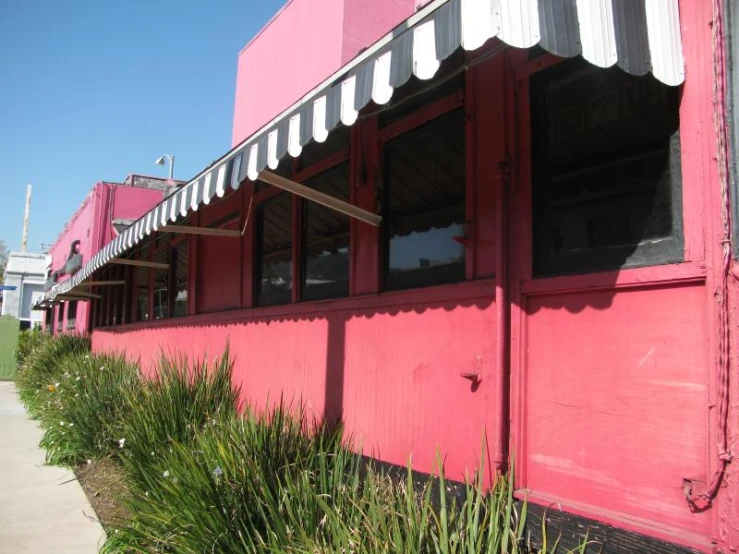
x=639 y=36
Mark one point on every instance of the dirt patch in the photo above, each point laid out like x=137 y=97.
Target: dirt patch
x=105 y=486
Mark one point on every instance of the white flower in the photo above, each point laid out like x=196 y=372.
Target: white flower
x=152 y=453
x=56 y=384
x=87 y=356
x=165 y=474
x=78 y=378
x=146 y=493
x=71 y=424
x=66 y=373
x=89 y=462
x=217 y=473
x=175 y=480
x=61 y=423
x=102 y=367
x=121 y=443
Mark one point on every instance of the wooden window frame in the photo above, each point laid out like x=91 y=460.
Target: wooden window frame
x=262 y=197
x=667 y=250
x=413 y=122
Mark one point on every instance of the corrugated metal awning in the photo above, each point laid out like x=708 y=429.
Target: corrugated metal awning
x=639 y=36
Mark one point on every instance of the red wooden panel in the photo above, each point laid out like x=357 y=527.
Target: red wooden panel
x=616 y=410
x=391 y=364
x=218 y=273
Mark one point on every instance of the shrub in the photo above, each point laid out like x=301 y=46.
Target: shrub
x=28 y=341
x=87 y=403
x=42 y=368
x=170 y=407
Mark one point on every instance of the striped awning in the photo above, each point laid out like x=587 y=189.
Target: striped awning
x=639 y=36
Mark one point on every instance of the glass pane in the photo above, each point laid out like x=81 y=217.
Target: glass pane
x=605 y=158
x=142 y=294
x=180 y=300
x=425 y=203
x=274 y=285
x=161 y=284
x=326 y=239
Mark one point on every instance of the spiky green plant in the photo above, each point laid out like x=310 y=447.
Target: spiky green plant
x=42 y=369
x=168 y=408
x=87 y=402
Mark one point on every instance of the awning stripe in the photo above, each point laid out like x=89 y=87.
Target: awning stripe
x=637 y=35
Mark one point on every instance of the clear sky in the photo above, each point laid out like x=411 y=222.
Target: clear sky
x=93 y=90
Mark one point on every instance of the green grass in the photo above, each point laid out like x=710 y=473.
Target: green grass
x=9 y=327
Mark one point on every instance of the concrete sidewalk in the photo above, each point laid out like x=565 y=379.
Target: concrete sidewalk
x=38 y=514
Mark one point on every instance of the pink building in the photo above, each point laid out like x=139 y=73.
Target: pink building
x=324 y=35
x=523 y=231
x=107 y=211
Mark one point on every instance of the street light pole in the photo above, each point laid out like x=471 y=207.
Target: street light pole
x=170 y=157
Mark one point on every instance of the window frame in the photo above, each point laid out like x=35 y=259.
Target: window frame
x=646 y=253
x=268 y=194
x=427 y=115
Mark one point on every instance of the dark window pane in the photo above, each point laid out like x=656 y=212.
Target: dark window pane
x=606 y=170
x=274 y=254
x=326 y=239
x=60 y=317
x=72 y=314
x=142 y=293
x=425 y=205
x=181 y=259
x=161 y=285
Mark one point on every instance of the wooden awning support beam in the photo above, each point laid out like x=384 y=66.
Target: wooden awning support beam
x=320 y=198
x=185 y=230
x=101 y=283
x=139 y=263
x=77 y=295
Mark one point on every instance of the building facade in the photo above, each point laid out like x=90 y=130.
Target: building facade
x=501 y=227
x=108 y=209
x=27 y=273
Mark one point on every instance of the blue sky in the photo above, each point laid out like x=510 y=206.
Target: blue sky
x=95 y=90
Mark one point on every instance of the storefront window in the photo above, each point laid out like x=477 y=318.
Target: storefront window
x=325 y=247
x=180 y=261
x=606 y=170
x=424 y=216
x=274 y=251
x=71 y=314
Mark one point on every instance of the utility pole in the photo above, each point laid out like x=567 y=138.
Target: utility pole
x=26 y=217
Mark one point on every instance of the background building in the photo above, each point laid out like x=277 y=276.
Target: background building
x=26 y=272
x=107 y=211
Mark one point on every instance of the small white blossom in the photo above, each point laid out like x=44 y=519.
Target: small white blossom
x=175 y=480
x=78 y=378
x=102 y=367
x=71 y=424
x=217 y=473
x=152 y=453
x=165 y=474
x=56 y=384
x=87 y=356
x=146 y=493
x=89 y=462
x=121 y=443
x=61 y=423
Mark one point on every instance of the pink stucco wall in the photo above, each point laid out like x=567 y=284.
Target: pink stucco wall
x=301 y=46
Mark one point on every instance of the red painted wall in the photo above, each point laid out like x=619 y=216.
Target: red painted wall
x=390 y=364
